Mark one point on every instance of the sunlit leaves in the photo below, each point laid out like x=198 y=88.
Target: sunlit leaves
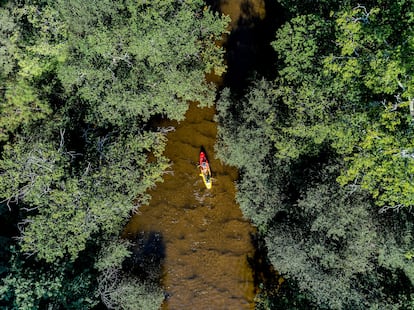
x=297 y=44
x=20 y=106
x=63 y=212
x=346 y=93
x=384 y=167
x=144 y=60
x=342 y=95
x=80 y=79
x=9 y=35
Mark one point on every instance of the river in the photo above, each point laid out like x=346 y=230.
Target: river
x=206 y=239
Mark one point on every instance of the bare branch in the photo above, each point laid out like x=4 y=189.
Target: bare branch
x=165 y=130
x=395 y=208
x=108 y=282
x=30 y=209
x=365 y=14
x=62 y=139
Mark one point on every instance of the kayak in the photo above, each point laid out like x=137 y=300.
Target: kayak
x=205 y=171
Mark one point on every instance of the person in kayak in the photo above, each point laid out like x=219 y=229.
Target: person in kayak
x=203 y=163
x=204 y=167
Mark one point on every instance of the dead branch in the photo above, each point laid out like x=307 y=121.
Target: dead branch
x=166 y=130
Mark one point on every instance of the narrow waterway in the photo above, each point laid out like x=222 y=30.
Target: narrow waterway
x=207 y=242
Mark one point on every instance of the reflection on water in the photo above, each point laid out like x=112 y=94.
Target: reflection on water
x=207 y=241
x=243 y=10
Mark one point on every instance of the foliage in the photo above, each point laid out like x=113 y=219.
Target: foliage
x=326 y=240
x=30 y=285
x=21 y=96
x=139 y=59
x=327 y=255
x=353 y=95
x=258 y=194
x=335 y=137
x=117 y=289
x=80 y=82
x=63 y=213
x=377 y=58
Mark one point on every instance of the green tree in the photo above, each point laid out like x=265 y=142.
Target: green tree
x=373 y=59
x=327 y=243
x=239 y=138
x=25 y=61
x=319 y=121
x=140 y=59
x=354 y=96
x=117 y=289
x=81 y=80
x=30 y=284
x=62 y=213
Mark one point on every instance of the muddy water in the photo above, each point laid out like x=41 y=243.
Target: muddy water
x=207 y=241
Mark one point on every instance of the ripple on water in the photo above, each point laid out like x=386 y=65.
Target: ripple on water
x=207 y=241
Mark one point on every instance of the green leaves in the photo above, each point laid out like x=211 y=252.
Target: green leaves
x=297 y=45
x=32 y=286
x=64 y=212
x=384 y=168
x=29 y=57
x=335 y=134
x=117 y=289
x=21 y=105
x=150 y=59
x=351 y=98
x=80 y=82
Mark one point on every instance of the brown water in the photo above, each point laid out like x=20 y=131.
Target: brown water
x=207 y=241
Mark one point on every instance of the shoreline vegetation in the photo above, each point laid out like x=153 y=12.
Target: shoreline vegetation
x=81 y=81
x=323 y=144
x=325 y=155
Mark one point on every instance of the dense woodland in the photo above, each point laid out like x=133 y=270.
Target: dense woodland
x=80 y=82
x=331 y=189
x=324 y=147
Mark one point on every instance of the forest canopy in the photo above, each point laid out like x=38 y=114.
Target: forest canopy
x=80 y=82
x=324 y=147
x=331 y=190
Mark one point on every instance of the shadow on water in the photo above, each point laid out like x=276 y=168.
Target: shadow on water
x=148 y=255
x=266 y=278
x=248 y=49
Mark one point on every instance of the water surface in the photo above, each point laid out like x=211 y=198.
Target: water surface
x=207 y=241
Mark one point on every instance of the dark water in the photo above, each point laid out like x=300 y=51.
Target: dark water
x=206 y=241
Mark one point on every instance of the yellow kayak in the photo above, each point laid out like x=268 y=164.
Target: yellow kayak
x=205 y=171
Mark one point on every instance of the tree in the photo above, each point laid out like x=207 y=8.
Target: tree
x=24 y=65
x=63 y=213
x=322 y=121
x=82 y=79
x=119 y=290
x=140 y=59
x=353 y=96
x=376 y=56
x=326 y=243
x=33 y=285
x=239 y=138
